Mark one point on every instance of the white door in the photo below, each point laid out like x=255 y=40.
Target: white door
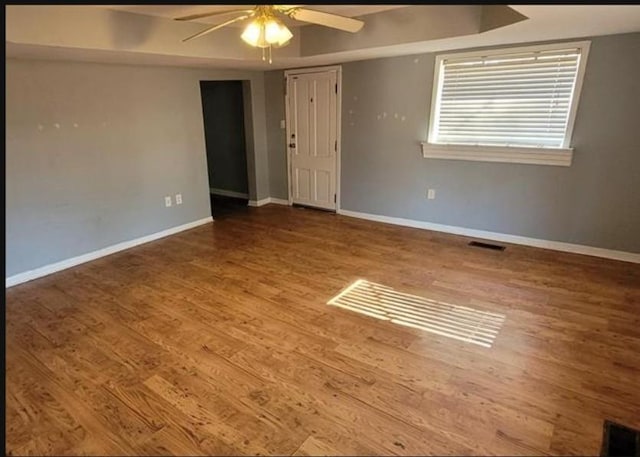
x=312 y=138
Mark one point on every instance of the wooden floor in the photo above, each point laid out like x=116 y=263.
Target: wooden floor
x=219 y=340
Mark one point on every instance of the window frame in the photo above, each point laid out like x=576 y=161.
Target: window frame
x=560 y=156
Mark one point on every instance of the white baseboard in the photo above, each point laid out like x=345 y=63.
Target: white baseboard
x=266 y=201
x=227 y=193
x=279 y=201
x=515 y=239
x=256 y=203
x=72 y=262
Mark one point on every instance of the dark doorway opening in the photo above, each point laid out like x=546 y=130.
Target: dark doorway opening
x=224 y=130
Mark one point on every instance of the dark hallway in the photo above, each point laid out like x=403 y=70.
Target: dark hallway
x=224 y=126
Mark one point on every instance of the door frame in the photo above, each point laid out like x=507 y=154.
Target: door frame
x=299 y=71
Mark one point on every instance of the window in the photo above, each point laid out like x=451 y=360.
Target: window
x=507 y=105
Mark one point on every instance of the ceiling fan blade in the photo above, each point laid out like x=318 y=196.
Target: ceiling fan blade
x=328 y=20
x=215 y=13
x=216 y=27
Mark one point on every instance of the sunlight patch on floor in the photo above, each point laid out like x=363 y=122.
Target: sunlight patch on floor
x=434 y=316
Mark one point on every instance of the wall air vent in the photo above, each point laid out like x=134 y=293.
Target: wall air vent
x=480 y=244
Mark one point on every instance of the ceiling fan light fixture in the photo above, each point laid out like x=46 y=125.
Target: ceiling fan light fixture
x=266 y=31
x=285 y=35
x=272 y=31
x=252 y=34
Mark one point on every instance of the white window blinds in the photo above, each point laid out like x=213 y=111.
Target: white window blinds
x=522 y=99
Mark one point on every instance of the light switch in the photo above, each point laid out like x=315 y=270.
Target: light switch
x=283 y=124
x=167 y=201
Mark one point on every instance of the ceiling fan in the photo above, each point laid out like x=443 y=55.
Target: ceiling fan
x=267 y=29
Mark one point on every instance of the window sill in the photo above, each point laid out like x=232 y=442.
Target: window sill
x=506 y=154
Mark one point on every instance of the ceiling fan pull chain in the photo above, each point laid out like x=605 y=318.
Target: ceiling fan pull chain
x=270 y=61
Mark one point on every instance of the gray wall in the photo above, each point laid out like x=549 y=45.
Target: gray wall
x=595 y=202
x=92 y=149
x=139 y=137
x=276 y=136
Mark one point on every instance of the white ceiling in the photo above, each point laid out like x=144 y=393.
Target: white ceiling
x=546 y=22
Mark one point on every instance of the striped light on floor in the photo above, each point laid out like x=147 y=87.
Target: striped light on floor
x=434 y=316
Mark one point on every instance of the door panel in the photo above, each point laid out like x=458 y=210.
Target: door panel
x=324 y=92
x=323 y=187
x=312 y=134
x=303 y=184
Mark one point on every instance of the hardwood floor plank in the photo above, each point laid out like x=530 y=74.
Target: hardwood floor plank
x=68 y=410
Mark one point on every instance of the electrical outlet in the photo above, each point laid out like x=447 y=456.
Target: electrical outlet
x=178 y=199
x=167 y=201
x=431 y=194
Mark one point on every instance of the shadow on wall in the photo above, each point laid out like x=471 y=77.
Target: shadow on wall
x=129 y=31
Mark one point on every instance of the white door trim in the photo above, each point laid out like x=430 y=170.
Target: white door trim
x=298 y=71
